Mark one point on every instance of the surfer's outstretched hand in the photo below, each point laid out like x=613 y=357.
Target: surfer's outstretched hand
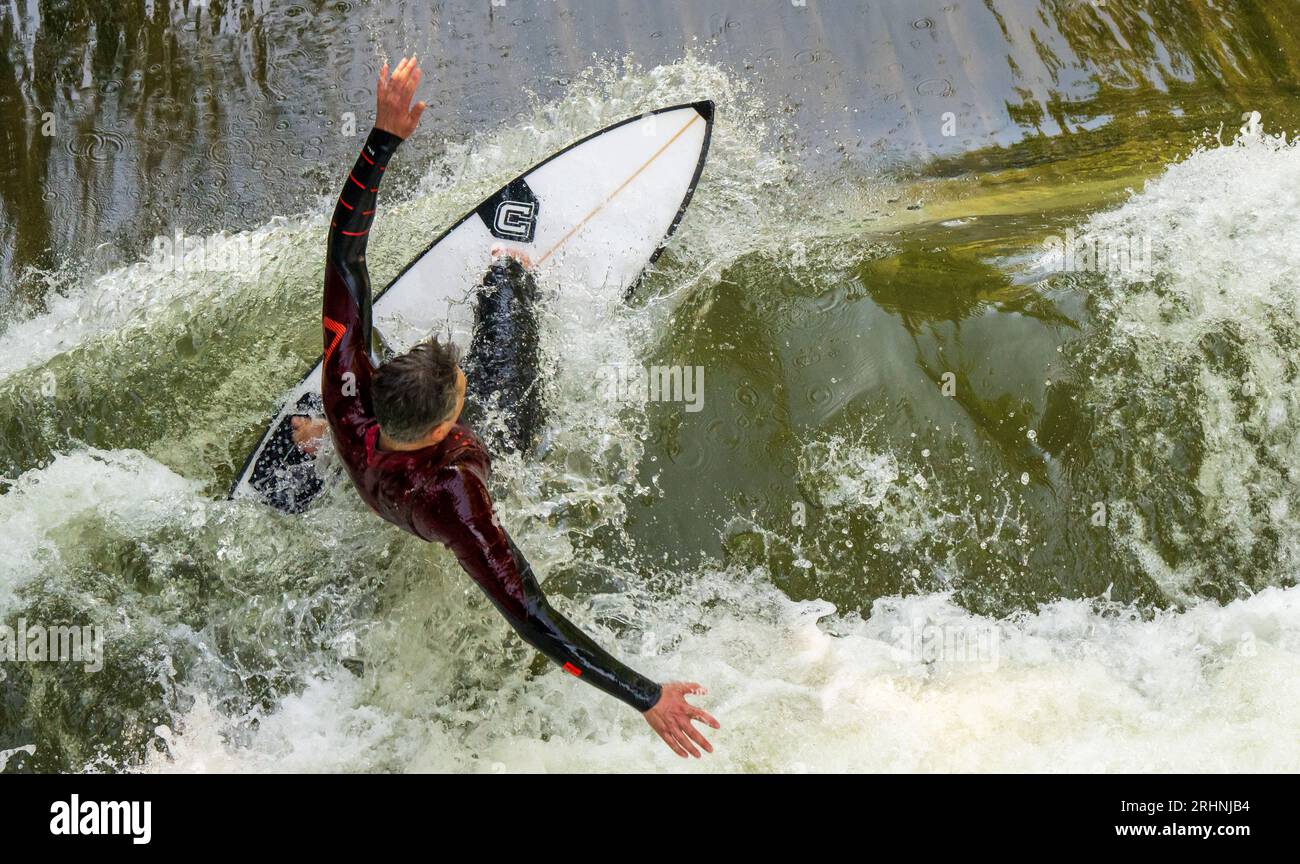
x=393 y=110
x=671 y=717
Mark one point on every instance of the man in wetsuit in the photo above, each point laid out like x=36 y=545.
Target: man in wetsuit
x=399 y=432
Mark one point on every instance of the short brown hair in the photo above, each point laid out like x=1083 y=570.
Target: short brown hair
x=415 y=391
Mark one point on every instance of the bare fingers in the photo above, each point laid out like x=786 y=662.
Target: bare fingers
x=672 y=743
x=406 y=69
x=685 y=742
x=694 y=735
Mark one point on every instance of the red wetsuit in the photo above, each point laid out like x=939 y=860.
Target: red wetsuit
x=438 y=493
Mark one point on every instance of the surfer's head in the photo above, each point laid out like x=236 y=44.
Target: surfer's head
x=416 y=394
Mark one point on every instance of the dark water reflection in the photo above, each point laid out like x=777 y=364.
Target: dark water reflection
x=201 y=116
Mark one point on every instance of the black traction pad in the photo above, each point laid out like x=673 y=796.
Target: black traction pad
x=511 y=214
x=285 y=476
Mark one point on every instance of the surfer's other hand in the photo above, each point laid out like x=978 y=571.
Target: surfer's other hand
x=672 y=715
x=307 y=434
x=393 y=109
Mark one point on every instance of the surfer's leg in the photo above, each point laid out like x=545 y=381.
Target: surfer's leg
x=504 y=354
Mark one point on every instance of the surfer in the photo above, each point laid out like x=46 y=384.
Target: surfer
x=399 y=431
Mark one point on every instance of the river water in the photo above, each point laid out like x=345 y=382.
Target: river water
x=996 y=458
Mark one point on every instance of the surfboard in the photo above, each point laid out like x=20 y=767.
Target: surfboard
x=601 y=210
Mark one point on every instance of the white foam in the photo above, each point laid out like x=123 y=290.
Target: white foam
x=1209 y=333
x=179 y=275
x=122 y=487
x=1073 y=688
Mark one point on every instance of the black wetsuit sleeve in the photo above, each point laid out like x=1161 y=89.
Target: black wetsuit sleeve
x=345 y=376
x=491 y=558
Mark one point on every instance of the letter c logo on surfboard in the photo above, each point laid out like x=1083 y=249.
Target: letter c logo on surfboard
x=511 y=214
x=515 y=220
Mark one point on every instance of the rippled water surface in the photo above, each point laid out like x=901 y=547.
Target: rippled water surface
x=915 y=413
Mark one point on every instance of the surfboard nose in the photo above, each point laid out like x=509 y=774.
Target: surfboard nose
x=705 y=107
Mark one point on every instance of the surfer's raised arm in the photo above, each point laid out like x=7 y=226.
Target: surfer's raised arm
x=346 y=371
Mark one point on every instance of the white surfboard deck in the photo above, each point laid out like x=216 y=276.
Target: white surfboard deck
x=599 y=212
